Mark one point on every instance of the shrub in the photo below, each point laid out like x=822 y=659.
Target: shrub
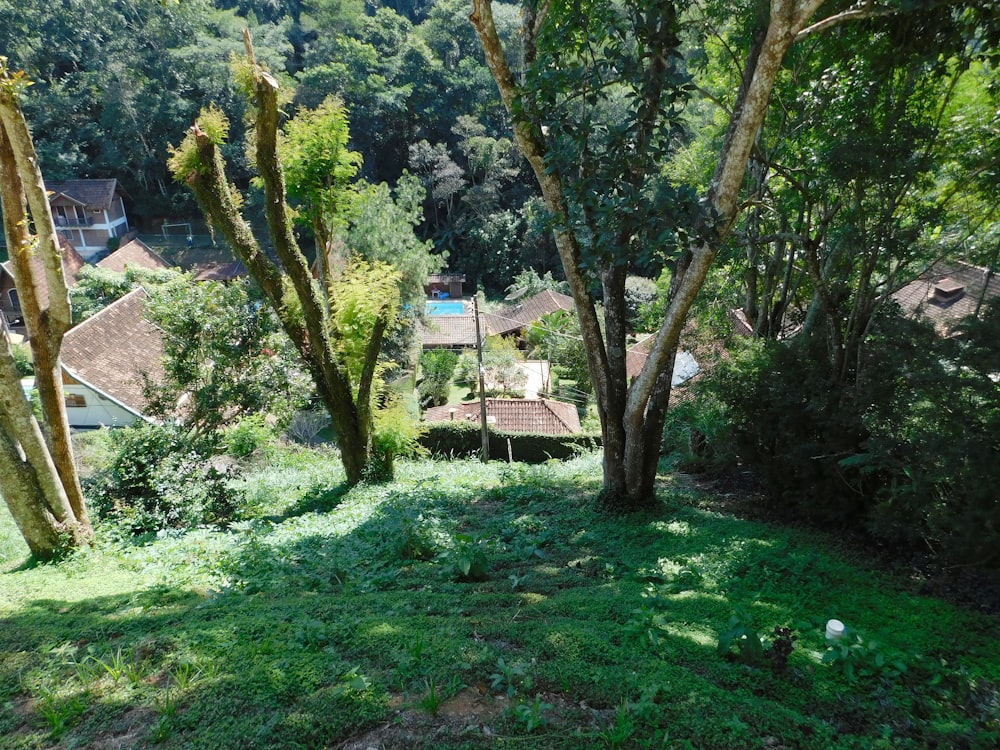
x=396 y=433
x=697 y=433
x=22 y=360
x=438 y=366
x=248 y=435
x=460 y=439
x=905 y=449
x=156 y=479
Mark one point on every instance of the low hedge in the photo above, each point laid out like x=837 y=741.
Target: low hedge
x=461 y=439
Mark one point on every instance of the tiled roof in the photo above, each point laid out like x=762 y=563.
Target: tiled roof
x=111 y=350
x=541 y=415
x=685 y=366
x=87 y=193
x=134 y=253
x=444 y=278
x=947 y=293
x=220 y=271
x=516 y=316
x=72 y=263
x=449 y=331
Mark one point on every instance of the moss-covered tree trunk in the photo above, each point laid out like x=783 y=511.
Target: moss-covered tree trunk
x=297 y=298
x=38 y=474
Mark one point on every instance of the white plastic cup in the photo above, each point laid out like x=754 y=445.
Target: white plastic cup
x=834 y=630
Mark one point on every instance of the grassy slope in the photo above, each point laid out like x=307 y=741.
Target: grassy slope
x=314 y=624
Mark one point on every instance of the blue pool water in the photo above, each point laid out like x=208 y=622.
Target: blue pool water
x=445 y=307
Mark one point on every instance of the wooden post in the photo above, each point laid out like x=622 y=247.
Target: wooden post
x=482 y=384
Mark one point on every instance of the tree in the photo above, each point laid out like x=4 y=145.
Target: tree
x=225 y=357
x=97 y=287
x=840 y=220
x=38 y=475
x=318 y=169
x=301 y=305
x=596 y=114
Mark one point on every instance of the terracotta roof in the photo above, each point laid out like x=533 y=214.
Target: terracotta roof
x=513 y=317
x=134 y=253
x=541 y=415
x=685 y=366
x=220 y=271
x=72 y=263
x=449 y=331
x=87 y=193
x=947 y=293
x=111 y=350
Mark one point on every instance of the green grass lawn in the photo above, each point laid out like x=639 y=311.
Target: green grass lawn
x=470 y=606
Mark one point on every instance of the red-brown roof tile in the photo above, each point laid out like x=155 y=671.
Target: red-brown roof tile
x=516 y=316
x=135 y=253
x=541 y=416
x=72 y=263
x=449 y=331
x=91 y=194
x=220 y=271
x=947 y=293
x=111 y=350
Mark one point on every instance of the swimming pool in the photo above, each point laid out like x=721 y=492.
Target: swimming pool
x=445 y=307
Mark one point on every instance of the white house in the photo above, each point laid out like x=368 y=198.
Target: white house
x=105 y=359
x=88 y=213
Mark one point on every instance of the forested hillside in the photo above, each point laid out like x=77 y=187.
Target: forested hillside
x=117 y=82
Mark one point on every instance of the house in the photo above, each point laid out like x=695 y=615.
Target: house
x=514 y=318
x=105 y=359
x=134 y=253
x=88 y=213
x=10 y=301
x=947 y=293
x=450 y=331
x=539 y=416
x=444 y=286
x=685 y=366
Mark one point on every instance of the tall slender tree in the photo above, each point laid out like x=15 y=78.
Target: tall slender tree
x=38 y=477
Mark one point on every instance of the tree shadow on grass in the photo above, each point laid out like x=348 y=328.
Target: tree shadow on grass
x=327 y=618
x=320 y=499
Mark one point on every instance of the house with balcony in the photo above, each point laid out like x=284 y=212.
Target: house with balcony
x=88 y=213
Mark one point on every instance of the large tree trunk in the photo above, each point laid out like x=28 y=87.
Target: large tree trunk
x=632 y=415
x=37 y=472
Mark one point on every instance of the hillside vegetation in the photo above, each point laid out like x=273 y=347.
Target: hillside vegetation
x=471 y=606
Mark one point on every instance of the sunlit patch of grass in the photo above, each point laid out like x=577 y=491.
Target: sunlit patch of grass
x=294 y=628
x=13 y=550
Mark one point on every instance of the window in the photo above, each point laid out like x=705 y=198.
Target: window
x=75 y=400
x=15 y=301
x=81 y=215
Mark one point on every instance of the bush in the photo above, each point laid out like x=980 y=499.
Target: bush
x=697 y=432
x=248 y=435
x=463 y=439
x=906 y=449
x=22 y=360
x=156 y=479
x=438 y=366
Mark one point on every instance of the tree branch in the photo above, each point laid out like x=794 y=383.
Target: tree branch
x=865 y=9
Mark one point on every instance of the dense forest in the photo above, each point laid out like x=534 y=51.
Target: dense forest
x=117 y=83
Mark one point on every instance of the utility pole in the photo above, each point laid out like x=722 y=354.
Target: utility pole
x=482 y=384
